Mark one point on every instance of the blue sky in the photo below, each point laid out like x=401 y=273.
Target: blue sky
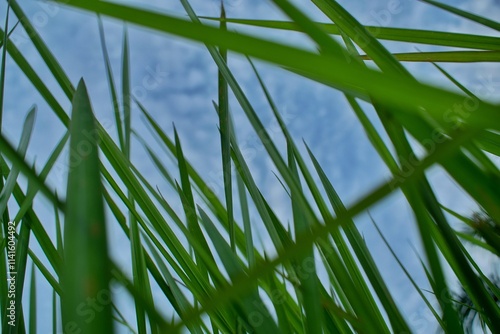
x=176 y=81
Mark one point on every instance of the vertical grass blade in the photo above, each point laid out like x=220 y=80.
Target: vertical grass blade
x=87 y=267
x=224 y=125
x=33 y=303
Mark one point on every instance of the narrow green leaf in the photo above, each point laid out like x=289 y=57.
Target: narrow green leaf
x=430 y=37
x=33 y=302
x=476 y=18
x=87 y=266
x=43 y=50
x=112 y=87
x=224 y=125
x=447 y=56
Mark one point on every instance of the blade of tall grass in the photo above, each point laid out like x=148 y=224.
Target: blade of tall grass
x=317 y=34
x=250 y=304
x=86 y=272
x=47 y=168
x=112 y=87
x=54 y=312
x=322 y=206
x=51 y=62
x=309 y=283
x=224 y=126
x=149 y=262
x=447 y=56
x=320 y=231
x=475 y=18
x=5 y=38
x=188 y=203
x=10 y=183
x=35 y=79
x=439 y=38
x=410 y=278
x=351 y=27
x=33 y=302
x=46 y=273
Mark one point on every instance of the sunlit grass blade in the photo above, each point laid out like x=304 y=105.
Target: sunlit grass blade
x=87 y=266
x=476 y=18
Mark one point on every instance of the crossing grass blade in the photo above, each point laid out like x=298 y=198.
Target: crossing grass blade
x=51 y=62
x=324 y=68
x=10 y=183
x=112 y=87
x=86 y=269
x=447 y=56
x=475 y=18
x=438 y=38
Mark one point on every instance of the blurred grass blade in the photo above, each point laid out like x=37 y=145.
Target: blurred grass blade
x=21 y=150
x=86 y=271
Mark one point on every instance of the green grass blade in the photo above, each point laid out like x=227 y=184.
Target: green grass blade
x=476 y=18
x=251 y=303
x=126 y=96
x=86 y=272
x=51 y=62
x=33 y=301
x=324 y=68
x=309 y=283
x=189 y=207
x=447 y=56
x=429 y=37
x=112 y=87
x=224 y=126
x=54 y=312
x=357 y=32
x=10 y=183
x=35 y=79
x=2 y=64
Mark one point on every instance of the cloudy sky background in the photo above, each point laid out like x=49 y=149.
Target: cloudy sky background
x=176 y=81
